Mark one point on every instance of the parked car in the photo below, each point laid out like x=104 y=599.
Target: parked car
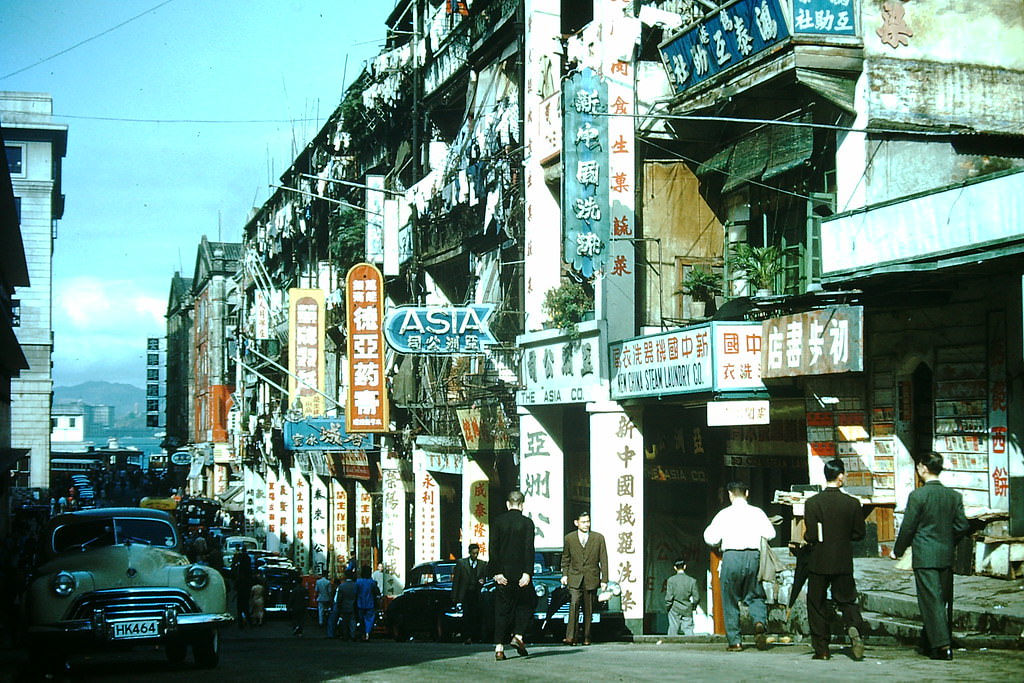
x=423 y=607
x=232 y=544
x=277 y=577
x=112 y=578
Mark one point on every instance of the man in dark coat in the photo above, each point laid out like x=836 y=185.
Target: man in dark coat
x=512 y=558
x=584 y=570
x=833 y=521
x=469 y=577
x=932 y=524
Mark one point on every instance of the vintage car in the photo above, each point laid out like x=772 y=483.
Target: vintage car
x=112 y=578
x=421 y=609
x=278 y=577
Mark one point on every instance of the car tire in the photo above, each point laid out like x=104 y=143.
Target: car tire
x=175 y=651
x=441 y=633
x=206 y=650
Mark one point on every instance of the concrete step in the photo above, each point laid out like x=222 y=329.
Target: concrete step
x=969 y=618
x=907 y=632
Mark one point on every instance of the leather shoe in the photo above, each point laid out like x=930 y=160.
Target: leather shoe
x=520 y=646
x=568 y=641
x=822 y=655
x=586 y=642
x=942 y=653
x=761 y=636
x=734 y=648
x=499 y=655
x=856 y=643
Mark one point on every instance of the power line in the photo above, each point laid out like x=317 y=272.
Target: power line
x=121 y=119
x=87 y=40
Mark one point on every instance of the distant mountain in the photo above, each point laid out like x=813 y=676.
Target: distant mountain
x=128 y=401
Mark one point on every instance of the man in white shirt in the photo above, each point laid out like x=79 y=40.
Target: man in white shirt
x=738 y=529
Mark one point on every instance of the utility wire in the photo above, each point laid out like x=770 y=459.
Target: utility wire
x=203 y=121
x=87 y=40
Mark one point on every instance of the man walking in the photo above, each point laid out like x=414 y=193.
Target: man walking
x=681 y=596
x=469 y=577
x=512 y=557
x=584 y=570
x=324 y=598
x=932 y=524
x=738 y=529
x=833 y=520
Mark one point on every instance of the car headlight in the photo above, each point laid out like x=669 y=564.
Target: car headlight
x=540 y=589
x=196 y=577
x=64 y=584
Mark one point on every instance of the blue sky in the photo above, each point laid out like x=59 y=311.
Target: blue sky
x=140 y=195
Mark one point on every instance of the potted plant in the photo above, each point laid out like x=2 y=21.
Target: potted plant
x=702 y=286
x=566 y=305
x=759 y=266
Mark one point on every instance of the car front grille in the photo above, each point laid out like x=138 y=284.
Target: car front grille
x=133 y=602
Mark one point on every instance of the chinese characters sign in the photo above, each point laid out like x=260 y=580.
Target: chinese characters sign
x=722 y=40
x=300 y=512
x=998 y=458
x=710 y=357
x=476 y=527
x=428 y=512
x=565 y=371
x=339 y=524
x=306 y=350
x=484 y=428
x=585 y=176
x=367 y=409
x=375 y=218
x=820 y=342
x=364 y=528
x=439 y=330
x=824 y=17
x=319 y=514
x=541 y=479
x=723 y=413
x=393 y=526
x=323 y=434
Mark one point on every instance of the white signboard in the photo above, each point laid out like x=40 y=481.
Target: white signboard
x=476 y=526
x=273 y=532
x=541 y=479
x=375 y=218
x=428 y=517
x=393 y=526
x=724 y=413
x=319 y=514
x=339 y=524
x=300 y=509
x=561 y=371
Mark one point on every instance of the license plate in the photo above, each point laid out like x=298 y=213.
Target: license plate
x=141 y=628
x=595 y=618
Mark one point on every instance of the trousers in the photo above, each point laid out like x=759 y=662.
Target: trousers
x=739 y=584
x=819 y=614
x=680 y=624
x=513 y=610
x=579 y=597
x=935 y=602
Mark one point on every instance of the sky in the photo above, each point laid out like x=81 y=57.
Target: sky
x=223 y=95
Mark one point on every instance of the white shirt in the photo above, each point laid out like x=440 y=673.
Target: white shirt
x=741 y=526
x=583 y=537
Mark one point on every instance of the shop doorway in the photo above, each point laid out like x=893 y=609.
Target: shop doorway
x=923 y=418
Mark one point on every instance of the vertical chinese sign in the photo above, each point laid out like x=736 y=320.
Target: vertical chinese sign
x=393 y=526
x=255 y=502
x=339 y=524
x=300 y=510
x=541 y=479
x=285 y=515
x=273 y=532
x=428 y=510
x=585 y=176
x=998 y=454
x=367 y=399
x=616 y=474
x=475 y=492
x=318 y=512
x=364 y=526
x=375 y=218
x=306 y=350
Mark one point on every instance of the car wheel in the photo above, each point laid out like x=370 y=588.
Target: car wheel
x=440 y=630
x=398 y=631
x=206 y=650
x=175 y=651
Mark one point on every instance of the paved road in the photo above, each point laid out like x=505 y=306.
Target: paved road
x=271 y=654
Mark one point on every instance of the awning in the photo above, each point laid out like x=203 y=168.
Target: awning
x=233 y=499
x=763 y=153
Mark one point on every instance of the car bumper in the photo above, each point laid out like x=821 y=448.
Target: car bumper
x=99 y=630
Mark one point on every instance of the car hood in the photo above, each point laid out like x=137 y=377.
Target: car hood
x=116 y=561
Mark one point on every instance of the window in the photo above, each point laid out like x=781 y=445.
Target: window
x=15 y=159
x=72 y=422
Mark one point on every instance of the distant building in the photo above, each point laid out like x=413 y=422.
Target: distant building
x=35 y=145
x=178 y=392
x=68 y=427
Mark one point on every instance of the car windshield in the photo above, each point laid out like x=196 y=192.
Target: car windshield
x=95 y=533
x=547 y=561
x=438 y=573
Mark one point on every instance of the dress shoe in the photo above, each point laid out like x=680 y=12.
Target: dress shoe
x=856 y=643
x=942 y=653
x=568 y=641
x=761 y=636
x=822 y=655
x=586 y=642
x=499 y=655
x=520 y=646
x=734 y=648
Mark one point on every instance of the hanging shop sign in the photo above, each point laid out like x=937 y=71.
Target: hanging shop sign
x=323 y=434
x=348 y=464
x=561 y=371
x=339 y=523
x=723 y=39
x=306 y=350
x=484 y=428
x=586 y=172
x=393 y=526
x=710 y=357
x=542 y=481
x=364 y=526
x=724 y=413
x=428 y=517
x=442 y=330
x=821 y=342
x=367 y=398
x=319 y=533
x=824 y=17
x=300 y=508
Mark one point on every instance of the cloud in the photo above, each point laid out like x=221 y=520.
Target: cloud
x=91 y=303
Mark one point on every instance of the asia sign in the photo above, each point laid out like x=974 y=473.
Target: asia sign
x=367 y=398
x=722 y=40
x=821 y=342
x=710 y=357
x=439 y=329
x=306 y=350
x=323 y=434
x=585 y=201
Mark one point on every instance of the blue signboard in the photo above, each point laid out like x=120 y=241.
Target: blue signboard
x=722 y=40
x=439 y=329
x=824 y=17
x=586 y=215
x=323 y=434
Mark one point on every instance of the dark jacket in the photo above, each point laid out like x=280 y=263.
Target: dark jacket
x=842 y=521
x=512 y=551
x=585 y=568
x=466 y=581
x=932 y=524
x=367 y=593
x=681 y=594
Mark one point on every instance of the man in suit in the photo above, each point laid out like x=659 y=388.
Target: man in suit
x=932 y=524
x=833 y=521
x=469 y=576
x=681 y=596
x=512 y=557
x=584 y=570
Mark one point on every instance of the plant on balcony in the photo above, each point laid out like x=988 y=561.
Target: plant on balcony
x=566 y=305
x=759 y=266
x=702 y=286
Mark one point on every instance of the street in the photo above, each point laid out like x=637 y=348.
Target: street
x=272 y=654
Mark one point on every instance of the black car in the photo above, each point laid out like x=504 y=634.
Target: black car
x=277 y=579
x=423 y=607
